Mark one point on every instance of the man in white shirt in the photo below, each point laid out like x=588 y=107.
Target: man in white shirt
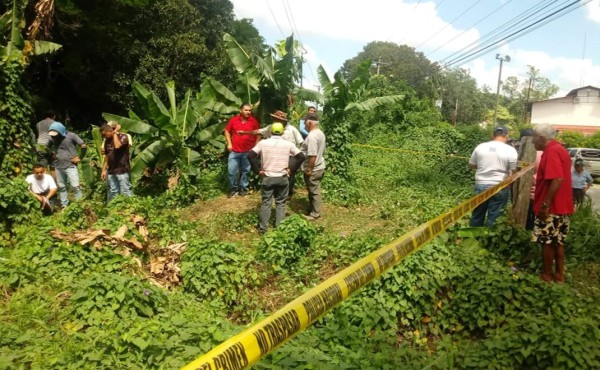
x=313 y=148
x=42 y=187
x=493 y=161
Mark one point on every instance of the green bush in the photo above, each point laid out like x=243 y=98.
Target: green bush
x=284 y=246
x=103 y=298
x=214 y=270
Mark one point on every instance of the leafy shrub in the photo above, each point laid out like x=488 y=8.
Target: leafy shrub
x=214 y=270
x=16 y=205
x=287 y=244
x=583 y=241
x=103 y=298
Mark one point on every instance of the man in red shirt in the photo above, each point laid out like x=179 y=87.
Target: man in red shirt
x=238 y=146
x=552 y=202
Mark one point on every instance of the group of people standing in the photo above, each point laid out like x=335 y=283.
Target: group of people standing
x=62 y=151
x=272 y=153
x=556 y=185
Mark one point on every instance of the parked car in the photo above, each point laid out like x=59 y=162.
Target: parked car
x=591 y=159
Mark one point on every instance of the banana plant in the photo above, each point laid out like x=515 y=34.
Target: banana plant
x=91 y=165
x=16 y=47
x=269 y=81
x=168 y=138
x=343 y=97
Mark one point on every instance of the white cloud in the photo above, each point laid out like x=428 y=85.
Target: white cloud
x=593 y=11
x=568 y=73
x=356 y=20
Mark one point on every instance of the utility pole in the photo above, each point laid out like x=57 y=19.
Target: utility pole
x=378 y=63
x=505 y=58
x=319 y=91
x=456 y=112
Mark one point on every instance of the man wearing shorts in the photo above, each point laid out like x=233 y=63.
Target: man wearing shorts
x=552 y=203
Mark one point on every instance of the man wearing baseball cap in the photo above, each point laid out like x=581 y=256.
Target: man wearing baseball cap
x=275 y=153
x=493 y=162
x=66 y=158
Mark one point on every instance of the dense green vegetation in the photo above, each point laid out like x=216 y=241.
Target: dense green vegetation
x=153 y=281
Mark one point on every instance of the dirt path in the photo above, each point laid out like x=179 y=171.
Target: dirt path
x=336 y=219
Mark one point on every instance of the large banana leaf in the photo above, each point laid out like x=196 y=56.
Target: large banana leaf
x=238 y=56
x=190 y=159
x=309 y=95
x=224 y=92
x=374 y=102
x=171 y=93
x=146 y=158
x=153 y=108
x=324 y=80
x=186 y=117
x=131 y=125
x=214 y=106
x=12 y=50
x=211 y=132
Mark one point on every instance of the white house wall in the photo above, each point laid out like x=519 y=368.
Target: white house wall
x=581 y=113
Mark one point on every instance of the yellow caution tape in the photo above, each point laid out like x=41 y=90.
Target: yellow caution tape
x=255 y=342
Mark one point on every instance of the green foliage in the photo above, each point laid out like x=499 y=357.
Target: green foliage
x=103 y=298
x=284 y=246
x=16 y=155
x=16 y=205
x=572 y=139
x=584 y=236
x=213 y=270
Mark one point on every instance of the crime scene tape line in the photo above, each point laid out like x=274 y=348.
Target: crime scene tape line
x=409 y=151
x=249 y=346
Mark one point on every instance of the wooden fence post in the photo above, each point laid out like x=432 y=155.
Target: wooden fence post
x=522 y=187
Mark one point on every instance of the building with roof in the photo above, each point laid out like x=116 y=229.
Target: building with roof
x=578 y=111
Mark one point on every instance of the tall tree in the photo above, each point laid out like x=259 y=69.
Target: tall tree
x=398 y=63
x=109 y=44
x=462 y=101
x=518 y=92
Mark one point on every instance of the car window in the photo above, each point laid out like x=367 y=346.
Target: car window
x=590 y=153
x=572 y=152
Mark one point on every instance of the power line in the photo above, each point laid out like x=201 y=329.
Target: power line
x=449 y=24
x=502 y=28
x=295 y=29
x=519 y=33
x=274 y=18
x=471 y=26
x=440 y=3
x=555 y=15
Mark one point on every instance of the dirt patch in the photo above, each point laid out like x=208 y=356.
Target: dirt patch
x=336 y=219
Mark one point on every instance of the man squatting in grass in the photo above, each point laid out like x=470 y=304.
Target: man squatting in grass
x=553 y=201
x=64 y=145
x=238 y=166
x=313 y=148
x=290 y=133
x=42 y=187
x=493 y=161
x=116 y=166
x=275 y=171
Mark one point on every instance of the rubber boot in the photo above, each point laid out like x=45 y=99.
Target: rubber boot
x=559 y=255
x=547 y=259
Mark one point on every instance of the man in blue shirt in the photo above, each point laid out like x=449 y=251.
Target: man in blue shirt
x=302 y=125
x=582 y=181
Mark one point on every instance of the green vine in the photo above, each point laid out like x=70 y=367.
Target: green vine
x=15 y=115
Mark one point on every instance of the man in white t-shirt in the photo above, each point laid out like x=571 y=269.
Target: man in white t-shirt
x=493 y=161
x=42 y=187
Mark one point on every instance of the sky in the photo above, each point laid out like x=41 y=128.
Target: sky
x=566 y=50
